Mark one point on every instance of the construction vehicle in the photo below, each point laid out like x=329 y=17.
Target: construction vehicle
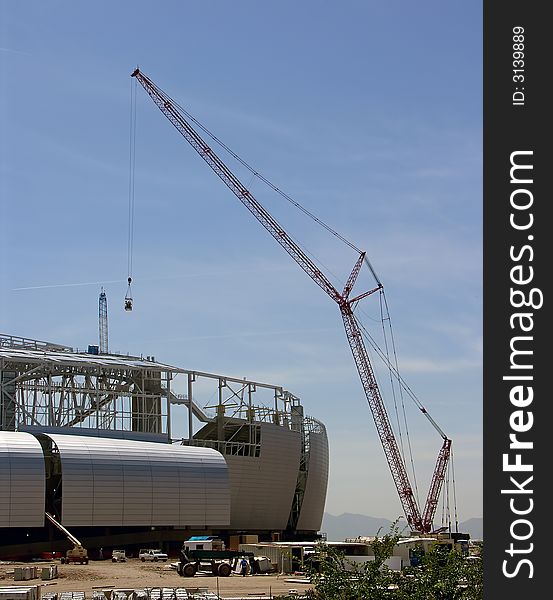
x=420 y=521
x=77 y=554
x=118 y=556
x=153 y=554
x=208 y=552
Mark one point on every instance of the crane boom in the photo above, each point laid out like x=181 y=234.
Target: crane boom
x=67 y=533
x=421 y=523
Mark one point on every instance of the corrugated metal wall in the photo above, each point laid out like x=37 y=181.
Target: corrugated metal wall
x=262 y=489
x=124 y=482
x=22 y=480
x=312 y=508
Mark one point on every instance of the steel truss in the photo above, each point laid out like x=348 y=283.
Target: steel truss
x=39 y=390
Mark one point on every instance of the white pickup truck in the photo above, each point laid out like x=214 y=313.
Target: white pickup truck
x=118 y=556
x=152 y=554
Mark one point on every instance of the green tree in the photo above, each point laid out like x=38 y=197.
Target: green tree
x=443 y=574
x=338 y=578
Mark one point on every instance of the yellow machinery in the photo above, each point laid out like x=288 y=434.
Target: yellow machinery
x=77 y=554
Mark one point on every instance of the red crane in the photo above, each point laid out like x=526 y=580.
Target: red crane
x=419 y=522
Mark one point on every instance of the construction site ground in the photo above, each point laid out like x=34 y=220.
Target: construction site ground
x=134 y=574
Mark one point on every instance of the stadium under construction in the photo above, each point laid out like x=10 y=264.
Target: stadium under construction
x=89 y=437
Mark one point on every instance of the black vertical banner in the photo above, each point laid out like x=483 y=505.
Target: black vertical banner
x=518 y=253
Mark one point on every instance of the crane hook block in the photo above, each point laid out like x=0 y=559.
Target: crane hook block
x=128 y=297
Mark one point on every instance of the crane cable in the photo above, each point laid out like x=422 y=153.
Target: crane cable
x=132 y=164
x=454 y=495
x=264 y=179
x=314 y=257
x=392 y=385
x=403 y=385
x=443 y=521
x=446 y=512
x=396 y=365
x=256 y=174
x=370 y=340
x=447 y=495
x=387 y=317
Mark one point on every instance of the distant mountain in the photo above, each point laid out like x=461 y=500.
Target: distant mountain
x=473 y=526
x=349 y=525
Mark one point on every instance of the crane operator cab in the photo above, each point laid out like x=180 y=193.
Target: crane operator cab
x=128 y=297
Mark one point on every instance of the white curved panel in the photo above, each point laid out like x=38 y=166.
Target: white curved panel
x=262 y=488
x=22 y=480
x=312 y=507
x=125 y=482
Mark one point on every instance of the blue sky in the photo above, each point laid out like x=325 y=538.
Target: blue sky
x=367 y=113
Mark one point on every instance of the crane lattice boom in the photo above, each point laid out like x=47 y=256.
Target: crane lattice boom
x=421 y=523
x=103 y=322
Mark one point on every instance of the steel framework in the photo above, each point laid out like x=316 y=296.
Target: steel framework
x=51 y=388
x=46 y=385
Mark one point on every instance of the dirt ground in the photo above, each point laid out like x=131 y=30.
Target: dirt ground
x=134 y=574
